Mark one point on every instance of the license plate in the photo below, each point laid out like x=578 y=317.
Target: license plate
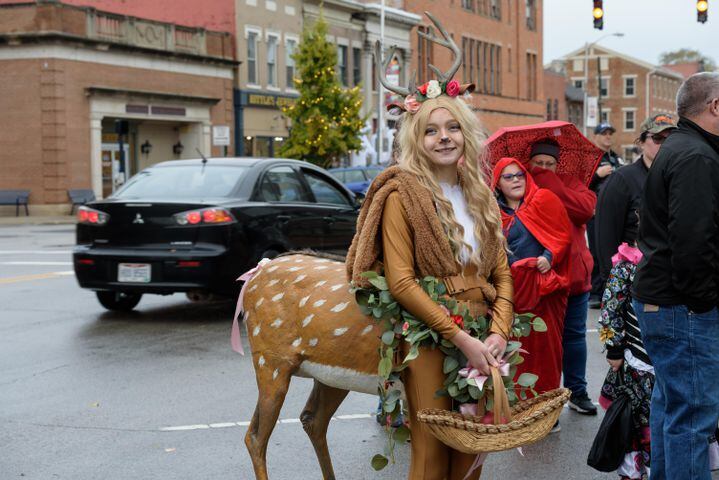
x=133 y=272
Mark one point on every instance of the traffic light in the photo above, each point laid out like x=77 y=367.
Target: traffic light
x=702 y=11
x=598 y=14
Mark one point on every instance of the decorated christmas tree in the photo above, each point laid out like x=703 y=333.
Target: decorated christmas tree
x=326 y=118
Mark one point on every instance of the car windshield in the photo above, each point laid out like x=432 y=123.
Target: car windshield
x=373 y=172
x=353 y=176
x=187 y=181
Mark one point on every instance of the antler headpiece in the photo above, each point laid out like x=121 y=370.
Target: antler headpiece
x=444 y=84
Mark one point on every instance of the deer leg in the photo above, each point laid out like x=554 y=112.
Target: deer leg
x=273 y=383
x=315 y=417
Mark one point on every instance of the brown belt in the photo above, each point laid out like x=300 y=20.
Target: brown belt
x=457 y=284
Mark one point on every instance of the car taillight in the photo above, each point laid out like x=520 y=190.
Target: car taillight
x=90 y=216
x=206 y=216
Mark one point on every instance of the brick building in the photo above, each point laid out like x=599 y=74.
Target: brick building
x=501 y=42
x=71 y=77
x=564 y=101
x=631 y=90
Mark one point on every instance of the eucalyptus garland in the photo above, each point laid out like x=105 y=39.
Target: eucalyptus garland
x=398 y=326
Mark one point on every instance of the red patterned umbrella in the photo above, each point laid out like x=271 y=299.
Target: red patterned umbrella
x=578 y=156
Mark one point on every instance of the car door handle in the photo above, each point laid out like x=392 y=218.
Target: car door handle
x=329 y=219
x=283 y=218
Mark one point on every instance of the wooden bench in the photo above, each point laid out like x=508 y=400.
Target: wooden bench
x=15 y=197
x=80 y=196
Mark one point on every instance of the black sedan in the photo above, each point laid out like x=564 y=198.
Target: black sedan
x=195 y=225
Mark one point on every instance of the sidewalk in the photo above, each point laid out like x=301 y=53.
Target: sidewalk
x=39 y=220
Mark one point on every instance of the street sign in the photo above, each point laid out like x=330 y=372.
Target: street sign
x=592 y=112
x=220 y=135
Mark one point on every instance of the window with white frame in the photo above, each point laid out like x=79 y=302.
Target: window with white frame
x=272 y=41
x=577 y=65
x=604 y=87
x=252 y=37
x=356 y=66
x=578 y=83
x=604 y=117
x=604 y=63
x=342 y=63
x=630 y=120
x=630 y=86
x=290 y=47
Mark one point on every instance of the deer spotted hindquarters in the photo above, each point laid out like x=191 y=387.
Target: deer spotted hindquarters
x=302 y=320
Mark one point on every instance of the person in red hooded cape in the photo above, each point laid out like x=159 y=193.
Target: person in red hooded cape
x=538 y=234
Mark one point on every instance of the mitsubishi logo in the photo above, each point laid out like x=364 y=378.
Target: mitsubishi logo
x=138 y=219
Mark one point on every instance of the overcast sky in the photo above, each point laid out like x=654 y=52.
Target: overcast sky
x=650 y=27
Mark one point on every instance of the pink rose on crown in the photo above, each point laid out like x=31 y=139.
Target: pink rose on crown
x=411 y=104
x=452 y=88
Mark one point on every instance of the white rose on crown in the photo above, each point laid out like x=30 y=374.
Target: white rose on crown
x=433 y=89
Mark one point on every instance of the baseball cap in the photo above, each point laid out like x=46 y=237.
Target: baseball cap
x=603 y=127
x=658 y=123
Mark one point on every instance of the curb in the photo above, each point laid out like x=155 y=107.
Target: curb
x=38 y=220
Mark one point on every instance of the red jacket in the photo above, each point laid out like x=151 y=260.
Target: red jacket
x=579 y=202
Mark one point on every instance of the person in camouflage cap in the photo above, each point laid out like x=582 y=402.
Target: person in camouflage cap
x=618 y=203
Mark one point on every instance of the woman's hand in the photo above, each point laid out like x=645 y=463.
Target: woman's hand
x=476 y=352
x=543 y=264
x=615 y=364
x=496 y=344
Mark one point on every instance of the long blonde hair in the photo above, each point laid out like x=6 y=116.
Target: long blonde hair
x=481 y=203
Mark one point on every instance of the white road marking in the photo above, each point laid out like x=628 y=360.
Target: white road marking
x=36 y=263
x=35 y=252
x=283 y=421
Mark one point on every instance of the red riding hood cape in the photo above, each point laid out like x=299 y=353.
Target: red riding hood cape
x=543 y=294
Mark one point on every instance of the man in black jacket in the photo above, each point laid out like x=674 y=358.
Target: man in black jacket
x=616 y=219
x=676 y=288
x=608 y=164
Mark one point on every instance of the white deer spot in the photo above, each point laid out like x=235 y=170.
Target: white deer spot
x=341 y=331
x=322 y=267
x=256 y=331
x=276 y=323
x=300 y=278
x=313 y=342
x=307 y=320
x=337 y=287
x=294 y=269
x=302 y=352
x=297 y=342
x=366 y=330
x=275 y=373
x=273 y=268
x=322 y=260
x=339 y=307
x=303 y=302
x=284 y=259
x=299 y=260
x=278 y=297
x=253 y=288
x=259 y=302
x=261 y=361
x=273 y=282
x=319 y=303
x=320 y=283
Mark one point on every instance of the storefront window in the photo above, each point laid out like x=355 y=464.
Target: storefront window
x=262 y=146
x=276 y=145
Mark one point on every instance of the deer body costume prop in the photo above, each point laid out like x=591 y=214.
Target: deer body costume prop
x=303 y=321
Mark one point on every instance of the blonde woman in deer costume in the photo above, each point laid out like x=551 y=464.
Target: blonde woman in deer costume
x=434 y=215
x=429 y=215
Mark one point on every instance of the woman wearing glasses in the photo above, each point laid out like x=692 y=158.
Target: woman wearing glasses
x=537 y=229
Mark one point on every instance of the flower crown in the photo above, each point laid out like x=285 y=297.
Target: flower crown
x=414 y=96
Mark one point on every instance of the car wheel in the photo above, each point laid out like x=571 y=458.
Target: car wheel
x=119 y=301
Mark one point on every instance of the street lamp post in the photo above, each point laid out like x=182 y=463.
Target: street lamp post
x=587 y=47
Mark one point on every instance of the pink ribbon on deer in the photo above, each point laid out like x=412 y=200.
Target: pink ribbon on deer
x=235 y=333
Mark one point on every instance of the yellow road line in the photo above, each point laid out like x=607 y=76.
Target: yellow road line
x=37 y=276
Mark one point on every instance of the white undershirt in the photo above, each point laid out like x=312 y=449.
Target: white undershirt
x=453 y=193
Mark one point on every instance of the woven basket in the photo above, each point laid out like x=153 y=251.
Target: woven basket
x=530 y=421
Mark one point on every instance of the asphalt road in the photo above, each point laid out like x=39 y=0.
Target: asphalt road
x=159 y=394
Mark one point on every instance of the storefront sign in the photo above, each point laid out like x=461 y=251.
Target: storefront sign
x=220 y=135
x=267 y=100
